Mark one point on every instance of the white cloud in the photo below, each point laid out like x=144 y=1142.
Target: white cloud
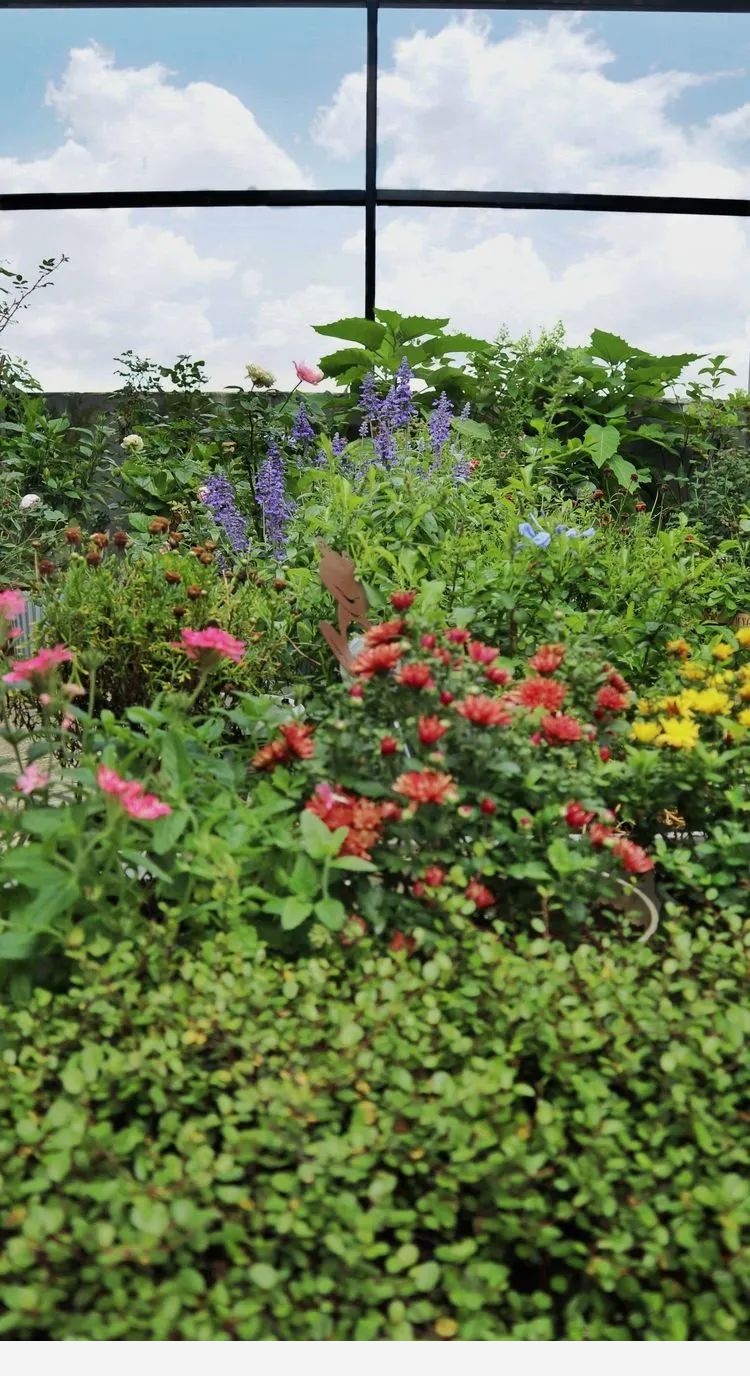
x=540 y=108
x=128 y=128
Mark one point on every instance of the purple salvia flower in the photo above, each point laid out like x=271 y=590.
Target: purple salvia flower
x=370 y=402
x=399 y=405
x=337 y=445
x=302 y=430
x=439 y=423
x=218 y=496
x=271 y=497
x=461 y=469
x=466 y=412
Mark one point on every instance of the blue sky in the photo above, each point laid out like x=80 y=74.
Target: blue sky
x=654 y=103
x=264 y=56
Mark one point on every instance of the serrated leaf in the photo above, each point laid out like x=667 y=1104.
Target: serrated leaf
x=361 y=331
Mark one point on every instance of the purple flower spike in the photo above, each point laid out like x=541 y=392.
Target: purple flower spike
x=302 y=431
x=440 y=422
x=218 y=496
x=271 y=497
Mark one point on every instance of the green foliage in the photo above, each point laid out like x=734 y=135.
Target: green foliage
x=485 y=1141
x=390 y=338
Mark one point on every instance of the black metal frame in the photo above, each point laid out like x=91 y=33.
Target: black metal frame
x=372 y=196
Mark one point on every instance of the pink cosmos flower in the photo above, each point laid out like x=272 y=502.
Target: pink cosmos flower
x=38 y=669
x=131 y=795
x=12 y=604
x=307 y=372
x=208 y=647
x=31 y=778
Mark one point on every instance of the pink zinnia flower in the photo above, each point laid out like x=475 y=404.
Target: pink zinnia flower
x=38 y=669
x=31 y=778
x=208 y=647
x=307 y=372
x=131 y=795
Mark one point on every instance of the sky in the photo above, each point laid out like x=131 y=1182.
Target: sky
x=111 y=99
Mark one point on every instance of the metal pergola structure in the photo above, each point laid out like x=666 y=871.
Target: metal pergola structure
x=372 y=196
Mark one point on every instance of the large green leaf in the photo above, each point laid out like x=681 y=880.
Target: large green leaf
x=414 y=326
x=361 y=331
x=612 y=348
x=602 y=441
x=336 y=363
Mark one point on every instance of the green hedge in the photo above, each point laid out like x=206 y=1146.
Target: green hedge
x=475 y=1141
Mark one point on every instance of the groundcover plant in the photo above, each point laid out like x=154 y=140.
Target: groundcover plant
x=404 y=1000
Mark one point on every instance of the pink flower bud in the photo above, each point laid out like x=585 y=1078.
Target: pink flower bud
x=307 y=372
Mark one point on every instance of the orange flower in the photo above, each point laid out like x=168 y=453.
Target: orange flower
x=633 y=858
x=270 y=755
x=425 y=786
x=387 y=630
x=482 y=711
x=298 y=739
x=380 y=659
x=548 y=658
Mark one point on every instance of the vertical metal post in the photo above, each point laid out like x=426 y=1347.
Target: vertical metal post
x=371 y=158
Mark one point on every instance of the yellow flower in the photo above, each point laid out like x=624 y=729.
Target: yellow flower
x=645 y=706
x=644 y=731
x=722 y=650
x=724 y=676
x=678 y=647
x=672 y=705
x=745 y=692
x=711 y=702
x=744 y=717
x=743 y=636
x=680 y=735
x=744 y=673
x=693 y=672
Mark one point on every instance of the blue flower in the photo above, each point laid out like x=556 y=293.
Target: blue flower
x=540 y=538
x=272 y=499
x=218 y=496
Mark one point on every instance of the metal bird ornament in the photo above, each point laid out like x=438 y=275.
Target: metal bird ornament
x=338 y=575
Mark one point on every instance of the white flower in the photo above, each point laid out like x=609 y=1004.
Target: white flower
x=260 y=376
x=229 y=446
x=30 y=500
x=133 y=442
x=202 y=493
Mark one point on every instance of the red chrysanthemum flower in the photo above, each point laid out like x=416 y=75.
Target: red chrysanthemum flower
x=617 y=680
x=400 y=942
x=401 y=601
x=270 y=755
x=434 y=876
x=497 y=675
x=482 y=654
x=541 y=692
x=388 y=745
x=430 y=730
x=547 y=659
x=604 y=753
x=428 y=642
x=599 y=834
x=415 y=675
x=483 y=711
x=577 y=816
x=298 y=738
x=488 y=807
x=380 y=659
x=561 y=730
x=479 y=894
x=633 y=858
x=446 y=697
x=610 y=699
x=386 y=631
x=457 y=636
x=425 y=786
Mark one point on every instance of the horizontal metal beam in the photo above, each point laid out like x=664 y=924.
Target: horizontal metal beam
x=393 y=197
x=612 y=6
